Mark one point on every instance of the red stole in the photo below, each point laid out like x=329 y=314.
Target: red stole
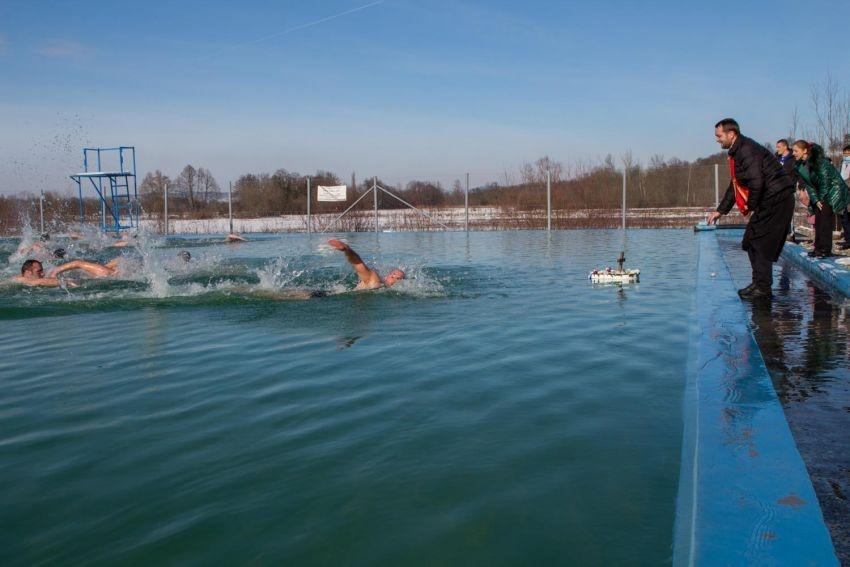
x=741 y=192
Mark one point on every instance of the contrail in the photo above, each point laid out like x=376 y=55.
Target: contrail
x=295 y=28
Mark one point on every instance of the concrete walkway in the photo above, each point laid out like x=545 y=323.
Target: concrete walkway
x=745 y=496
x=827 y=271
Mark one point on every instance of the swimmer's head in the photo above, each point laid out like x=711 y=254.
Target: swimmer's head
x=59 y=253
x=45 y=236
x=394 y=276
x=184 y=255
x=32 y=269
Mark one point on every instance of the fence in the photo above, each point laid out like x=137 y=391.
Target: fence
x=665 y=196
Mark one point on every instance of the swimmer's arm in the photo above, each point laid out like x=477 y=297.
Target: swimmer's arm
x=41 y=282
x=92 y=269
x=366 y=274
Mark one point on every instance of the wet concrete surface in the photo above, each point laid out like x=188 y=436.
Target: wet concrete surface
x=803 y=335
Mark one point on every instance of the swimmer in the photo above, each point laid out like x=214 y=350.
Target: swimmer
x=185 y=256
x=32 y=274
x=93 y=269
x=123 y=242
x=287 y=294
x=233 y=237
x=37 y=247
x=369 y=278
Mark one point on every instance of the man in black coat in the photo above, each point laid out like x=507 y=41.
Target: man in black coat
x=760 y=186
x=786 y=159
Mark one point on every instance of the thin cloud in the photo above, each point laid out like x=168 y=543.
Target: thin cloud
x=64 y=49
x=294 y=29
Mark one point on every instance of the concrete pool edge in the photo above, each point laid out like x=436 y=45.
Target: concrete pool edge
x=744 y=492
x=826 y=271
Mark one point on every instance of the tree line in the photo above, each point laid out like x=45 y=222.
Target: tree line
x=195 y=193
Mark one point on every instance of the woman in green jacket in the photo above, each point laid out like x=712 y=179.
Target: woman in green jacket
x=827 y=192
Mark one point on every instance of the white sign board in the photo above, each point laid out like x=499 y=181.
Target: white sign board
x=335 y=193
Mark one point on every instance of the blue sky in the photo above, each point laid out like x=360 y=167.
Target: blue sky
x=400 y=88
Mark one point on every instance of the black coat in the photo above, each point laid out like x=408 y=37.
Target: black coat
x=758 y=170
x=788 y=166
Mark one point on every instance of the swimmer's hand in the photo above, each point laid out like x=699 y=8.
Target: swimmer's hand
x=338 y=244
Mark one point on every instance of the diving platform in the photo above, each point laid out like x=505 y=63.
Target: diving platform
x=111 y=173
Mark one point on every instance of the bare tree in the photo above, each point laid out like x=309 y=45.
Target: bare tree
x=657 y=161
x=831 y=105
x=208 y=186
x=555 y=169
x=795 y=124
x=152 y=190
x=187 y=184
x=526 y=173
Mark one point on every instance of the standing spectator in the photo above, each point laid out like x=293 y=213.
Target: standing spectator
x=758 y=185
x=845 y=217
x=786 y=158
x=827 y=192
x=787 y=161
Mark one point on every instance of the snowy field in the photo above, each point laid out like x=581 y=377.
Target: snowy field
x=480 y=218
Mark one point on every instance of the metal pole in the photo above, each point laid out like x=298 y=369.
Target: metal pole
x=165 y=201
x=624 y=203
x=716 y=186
x=548 y=200
x=375 y=190
x=41 y=210
x=421 y=212
x=466 y=204
x=230 y=206
x=308 y=205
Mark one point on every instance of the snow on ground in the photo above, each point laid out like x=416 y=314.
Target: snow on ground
x=480 y=218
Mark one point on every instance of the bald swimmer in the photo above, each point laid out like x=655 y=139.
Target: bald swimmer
x=369 y=278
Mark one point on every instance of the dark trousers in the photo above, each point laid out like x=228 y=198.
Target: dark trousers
x=824 y=225
x=845 y=223
x=762 y=268
x=765 y=235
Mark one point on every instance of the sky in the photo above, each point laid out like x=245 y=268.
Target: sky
x=402 y=89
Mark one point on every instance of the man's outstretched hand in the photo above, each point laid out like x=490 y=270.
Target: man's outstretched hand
x=337 y=244
x=713 y=217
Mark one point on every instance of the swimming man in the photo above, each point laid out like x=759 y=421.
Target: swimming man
x=32 y=274
x=369 y=278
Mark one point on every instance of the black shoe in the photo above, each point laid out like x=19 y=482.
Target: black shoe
x=824 y=255
x=813 y=253
x=761 y=292
x=746 y=291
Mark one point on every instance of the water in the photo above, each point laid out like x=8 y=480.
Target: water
x=804 y=335
x=496 y=408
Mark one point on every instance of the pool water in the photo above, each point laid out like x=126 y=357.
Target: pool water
x=495 y=408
